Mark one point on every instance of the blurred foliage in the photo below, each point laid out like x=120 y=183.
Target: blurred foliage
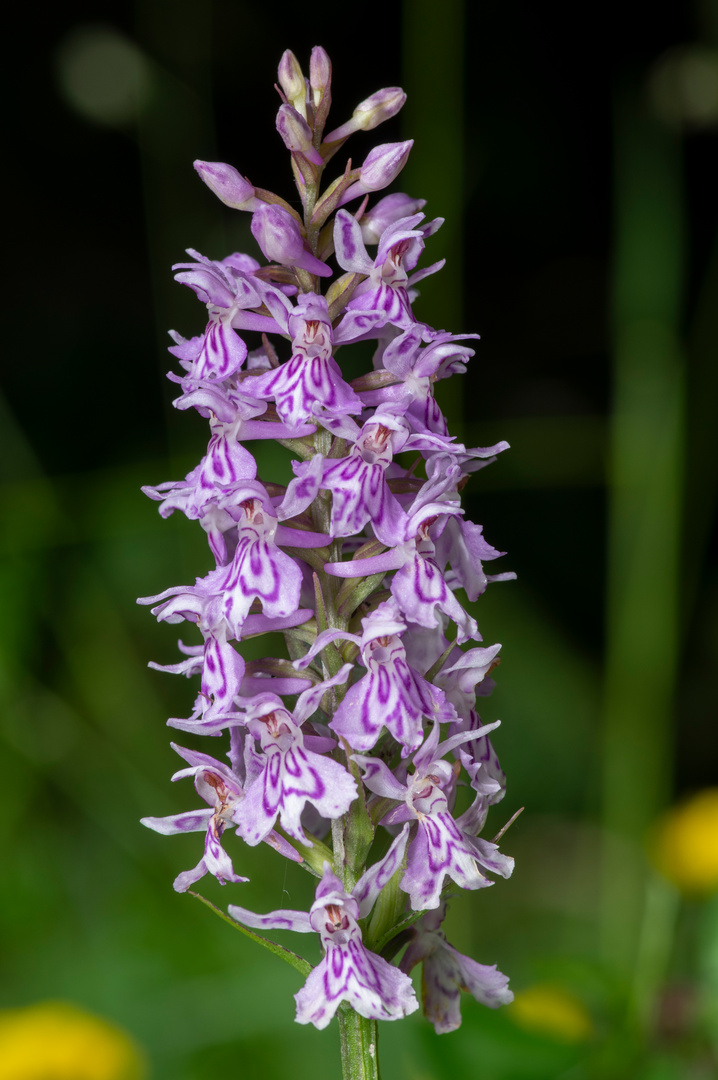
x=88 y=914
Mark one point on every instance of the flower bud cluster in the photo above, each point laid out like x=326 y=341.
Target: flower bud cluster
x=347 y=754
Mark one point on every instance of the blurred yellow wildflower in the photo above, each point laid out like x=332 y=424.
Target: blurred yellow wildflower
x=552 y=1011
x=685 y=843
x=58 y=1041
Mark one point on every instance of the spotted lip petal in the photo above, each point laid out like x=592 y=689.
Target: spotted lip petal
x=440 y=846
x=229 y=293
x=290 y=774
x=222 y=790
x=348 y=971
x=390 y=695
x=421 y=592
x=311 y=378
x=303 y=384
x=438 y=850
x=360 y=492
x=351 y=973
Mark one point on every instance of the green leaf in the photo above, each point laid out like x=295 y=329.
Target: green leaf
x=314 y=557
x=287 y=955
x=329 y=200
x=314 y=856
x=330 y=654
x=321 y=608
x=300 y=447
x=354 y=591
x=436 y=668
x=280 y=669
x=340 y=292
x=399 y=928
x=388 y=911
x=358 y=830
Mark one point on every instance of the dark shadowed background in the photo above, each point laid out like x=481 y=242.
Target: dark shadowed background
x=573 y=152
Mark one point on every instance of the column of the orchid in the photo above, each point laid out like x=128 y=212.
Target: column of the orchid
x=347 y=754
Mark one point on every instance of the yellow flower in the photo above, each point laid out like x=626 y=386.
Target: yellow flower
x=55 y=1040
x=685 y=843
x=551 y=1011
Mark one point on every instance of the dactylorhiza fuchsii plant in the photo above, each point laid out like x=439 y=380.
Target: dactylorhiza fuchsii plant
x=347 y=755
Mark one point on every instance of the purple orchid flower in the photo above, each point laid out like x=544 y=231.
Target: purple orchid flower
x=228 y=292
x=259 y=569
x=392 y=694
x=367 y=666
x=446 y=972
x=221 y=666
x=349 y=971
x=222 y=669
x=223 y=678
x=415 y=370
x=441 y=845
x=357 y=482
x=462 y=672
x=463 y=545
x=219 y=787
x=226 y=462
x=419 y=587
x=463 y=675
x=481 y=763
x=226 y=465
x=289 y=774
x=311 y=378
x=383 y=298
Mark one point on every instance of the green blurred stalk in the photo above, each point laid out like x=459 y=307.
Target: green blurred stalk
x=358 y=1040
x=645 y=506
x=433 y=77
x=702 y=460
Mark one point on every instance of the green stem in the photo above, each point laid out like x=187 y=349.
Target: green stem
x=358 y=1039
x=351 y=834
x=645 y=503
x=654 y=947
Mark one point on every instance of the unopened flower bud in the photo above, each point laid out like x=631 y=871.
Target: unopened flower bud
x=371 y=112
x=379 y=107
x=388 y=210
x=281 y=241
x=382 y=165
x=228 y=185
x=296 y=134
x=291 y=80
x=320 y=73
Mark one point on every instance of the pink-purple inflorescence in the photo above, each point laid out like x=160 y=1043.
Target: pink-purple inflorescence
x=347 y=754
